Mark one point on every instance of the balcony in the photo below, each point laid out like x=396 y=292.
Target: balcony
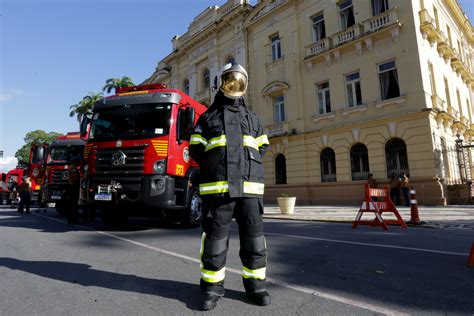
x=456 y=62
x=347 y=35
x=373 y=25
x=277 y=129
x=428 y=27
x=383 y=20
x=444 y=49
x=319 y=47
x=438 y=103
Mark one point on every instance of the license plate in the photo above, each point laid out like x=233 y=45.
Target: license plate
x=55 y=197
x=103 y=197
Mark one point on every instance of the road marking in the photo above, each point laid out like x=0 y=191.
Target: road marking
x=332 y=297
x=369 y=244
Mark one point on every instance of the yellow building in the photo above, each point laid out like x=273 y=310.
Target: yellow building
x=344 y=88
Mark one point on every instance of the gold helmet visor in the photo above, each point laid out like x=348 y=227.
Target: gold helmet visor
x=233 y=83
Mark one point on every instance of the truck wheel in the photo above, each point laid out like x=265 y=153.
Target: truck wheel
x=115 y=218
x=61 y=209
x=193 y=214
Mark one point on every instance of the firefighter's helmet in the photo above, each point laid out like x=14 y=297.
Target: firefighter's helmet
x=233 y=80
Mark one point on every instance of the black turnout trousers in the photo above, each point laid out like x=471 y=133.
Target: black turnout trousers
x=215 y=242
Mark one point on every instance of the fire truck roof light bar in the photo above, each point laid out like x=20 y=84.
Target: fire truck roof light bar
x=153 y=86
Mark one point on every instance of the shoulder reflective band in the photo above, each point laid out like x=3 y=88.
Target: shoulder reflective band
x=198 y=139
x=216 y=142
x=262 y=140
x=258 y=274
x=250 y=142
x=254 y=188
x=213 y=276
x=214 y=187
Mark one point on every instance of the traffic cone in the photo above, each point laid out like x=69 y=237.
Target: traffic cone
x=470 y=260
x=414 y=217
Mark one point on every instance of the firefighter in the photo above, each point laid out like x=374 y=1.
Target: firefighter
x=228 y=143
x=72 y=192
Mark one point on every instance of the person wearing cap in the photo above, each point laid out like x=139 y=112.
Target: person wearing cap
x=228 y=143
x=24 y=190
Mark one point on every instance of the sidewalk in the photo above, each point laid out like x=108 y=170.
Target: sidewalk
x=453 y=216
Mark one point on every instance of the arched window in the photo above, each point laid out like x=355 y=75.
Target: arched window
x=396 y=155
x=328 y=165
x=280 y=169
x=206 y=79
x=359 y=162
x=186 y=86
x=230 y=60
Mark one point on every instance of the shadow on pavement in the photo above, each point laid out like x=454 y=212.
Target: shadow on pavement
x=85 y=275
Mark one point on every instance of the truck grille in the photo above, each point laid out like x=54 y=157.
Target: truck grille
x=132 y=164
x=60 y=177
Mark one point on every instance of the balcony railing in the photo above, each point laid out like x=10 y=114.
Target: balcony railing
x=319 y=46
x=371 y=25
x=277 y=129
x=438 y=103
x=380 y=21
x=346 y=35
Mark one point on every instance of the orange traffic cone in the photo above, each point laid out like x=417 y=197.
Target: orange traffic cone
x=414 y=217
x=470 y=260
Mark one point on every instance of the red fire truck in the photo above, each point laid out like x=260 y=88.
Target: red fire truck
x=136 y=159
x=12 y=179
x=62 y=151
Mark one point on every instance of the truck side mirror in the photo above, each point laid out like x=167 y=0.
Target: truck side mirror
x=84 y=126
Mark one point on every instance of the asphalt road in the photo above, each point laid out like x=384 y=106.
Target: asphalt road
x=48 y=267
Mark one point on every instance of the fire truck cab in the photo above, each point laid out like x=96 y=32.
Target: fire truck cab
x=62 y=151
x=36 y=169
x=136 y=160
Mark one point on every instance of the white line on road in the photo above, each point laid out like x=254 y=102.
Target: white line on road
x=369 y=244
x=332 y=297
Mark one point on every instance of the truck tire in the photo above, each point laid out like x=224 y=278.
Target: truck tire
x=193 y=214
x=61 y=209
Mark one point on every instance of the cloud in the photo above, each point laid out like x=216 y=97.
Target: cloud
x=9 y=94
x=7 y=163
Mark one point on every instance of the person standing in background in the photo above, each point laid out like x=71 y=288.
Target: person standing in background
x=394 y=189
x=404 y=181
x=24 y=190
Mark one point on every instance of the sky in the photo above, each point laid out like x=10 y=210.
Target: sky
x=54 y=52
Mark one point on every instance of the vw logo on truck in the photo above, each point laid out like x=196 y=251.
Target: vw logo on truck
x=118 y=158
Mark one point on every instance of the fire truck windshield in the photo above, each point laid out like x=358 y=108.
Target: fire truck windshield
x=64 y=154
x=38 y=155
x=131 y=122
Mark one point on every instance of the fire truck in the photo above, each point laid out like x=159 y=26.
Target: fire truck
x=12 y=179
x=63 y=150
x=136 y=160
x=36 y=169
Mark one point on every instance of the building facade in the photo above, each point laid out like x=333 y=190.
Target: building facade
x=344 y=88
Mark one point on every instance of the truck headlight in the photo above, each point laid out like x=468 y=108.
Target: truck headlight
x=160 y=167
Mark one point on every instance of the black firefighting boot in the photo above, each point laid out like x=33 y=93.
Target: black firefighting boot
x=209 y=300
x=260 y=298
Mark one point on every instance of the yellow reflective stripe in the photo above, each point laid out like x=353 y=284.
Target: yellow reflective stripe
x=250 y=142
x=213 y=276
x=214 y=187
x=216 y=142
x=262 y=140
x=254 y=187
x=258 y=274
x=198 y=139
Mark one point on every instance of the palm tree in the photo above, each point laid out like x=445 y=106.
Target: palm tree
x=85 y=105
x=115 y=83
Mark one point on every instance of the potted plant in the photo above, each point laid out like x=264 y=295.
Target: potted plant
x=286 y=203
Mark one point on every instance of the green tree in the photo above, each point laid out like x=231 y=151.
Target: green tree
x=114 y=83
x=85 y=105
x=34 y=137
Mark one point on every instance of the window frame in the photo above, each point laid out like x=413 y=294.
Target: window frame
x=382 y=72
x=328 y=155
x=323 y=108
x=279 y=108
x=206 y=79
x=359 y=154
x=275 y=41
x=342 y=8
x=353 y=86
x=314 y=25
x=385 y=6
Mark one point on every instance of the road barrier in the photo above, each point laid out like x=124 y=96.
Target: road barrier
x=378 y=208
